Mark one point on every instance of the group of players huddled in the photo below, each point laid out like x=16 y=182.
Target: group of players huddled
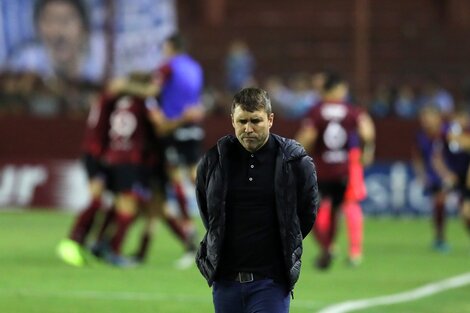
x=442 y=162
x=142 y=137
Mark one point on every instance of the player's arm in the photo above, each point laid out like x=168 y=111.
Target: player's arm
x=418 y=164
x=164 y=126
x=439 y=165
x=143 y=89
x=366 y=130
x=307 y=134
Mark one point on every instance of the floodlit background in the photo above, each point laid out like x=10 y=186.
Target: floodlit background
x=397 y=55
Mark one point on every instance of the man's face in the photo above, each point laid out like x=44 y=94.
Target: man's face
x=252 y=128
x=168 y=50
x=430 y=120
x=62 y=31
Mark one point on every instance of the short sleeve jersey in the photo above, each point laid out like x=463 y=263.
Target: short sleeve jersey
x=426 y=146
x=128 y=131
x=182 y=85
x=336 y=124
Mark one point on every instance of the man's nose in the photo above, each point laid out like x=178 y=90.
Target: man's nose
x=248 y=128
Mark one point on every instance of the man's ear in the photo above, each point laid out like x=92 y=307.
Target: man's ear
x=271 y=119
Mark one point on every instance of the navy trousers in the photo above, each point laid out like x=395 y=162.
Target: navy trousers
x=260 y=296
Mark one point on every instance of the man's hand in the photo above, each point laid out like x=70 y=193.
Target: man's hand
x=156 y=115
x=194 y=114
x=450 y=180
x=307 y=134
x=466 y=209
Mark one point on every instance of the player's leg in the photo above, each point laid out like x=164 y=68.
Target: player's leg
x=70 y=250
x=466 y=201
x=152 y=211
x=85 y=219
x=185 y=235
x=175 y=166
x=104 y=230
x=187 y=157
x=130 y=191
x=126 y=211
x=354 y=224
x=336 y=190
x=322 y=224
x=439 y=220
x=176 y=174
x=355 y=191
x=175 y=224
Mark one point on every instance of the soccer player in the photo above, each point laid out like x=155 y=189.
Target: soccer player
x=181 y=81
x=452 y=159
x=124 y=154
x=95 y=140
x=330 y=134
x=431 y=128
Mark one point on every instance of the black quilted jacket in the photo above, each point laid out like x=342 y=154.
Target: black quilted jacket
x=297 y=199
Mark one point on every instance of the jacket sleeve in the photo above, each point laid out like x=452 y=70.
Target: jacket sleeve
x=201 y=177
x=307 y=195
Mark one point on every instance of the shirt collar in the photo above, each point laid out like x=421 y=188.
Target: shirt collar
x=264 y=152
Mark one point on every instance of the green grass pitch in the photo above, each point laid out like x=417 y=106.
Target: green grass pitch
x=397 y=258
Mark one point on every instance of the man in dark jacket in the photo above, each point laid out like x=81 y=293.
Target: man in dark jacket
x=258 y=198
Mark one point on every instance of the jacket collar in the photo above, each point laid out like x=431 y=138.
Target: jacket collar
x=290 y=148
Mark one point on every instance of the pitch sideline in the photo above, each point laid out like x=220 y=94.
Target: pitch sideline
x=414 y=294
x=343 y=307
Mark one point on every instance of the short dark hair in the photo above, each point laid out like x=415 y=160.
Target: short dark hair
x=252 y=99
x=332 y=79
x=78 y=5
x=177 y=41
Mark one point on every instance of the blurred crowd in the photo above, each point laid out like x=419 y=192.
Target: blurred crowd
x=27 y=92
x=294 y=95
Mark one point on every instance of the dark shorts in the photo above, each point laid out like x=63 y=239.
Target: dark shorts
x=184 y=146
x=157 y=177
x=128 y=178
x=93 y=166
x=183 y=152
x=433 y=189
x=462 y=186
x=333 y=190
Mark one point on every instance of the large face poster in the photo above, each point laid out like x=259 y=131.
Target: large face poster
x=140 y=29
x=61 y=47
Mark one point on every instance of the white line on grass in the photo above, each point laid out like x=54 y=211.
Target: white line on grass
x=421 y=292
x=348 y=306
x=130 y=296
